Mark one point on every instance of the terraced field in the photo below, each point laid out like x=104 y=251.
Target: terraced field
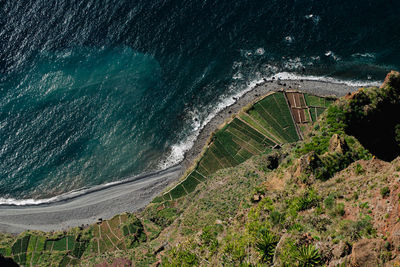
x=119 y=233
x=317 y=105
x=278 y=118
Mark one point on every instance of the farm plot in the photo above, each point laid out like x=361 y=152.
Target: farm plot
x=266 y=119
x=67 y=249
x=268 y=122
x=299 y=115
x=19 y=249
x=107 y=236
x=316 y=112
x=276 y=106
x=269 y=125
x=316 y=101
x=296 y=99
x=259 y=127
x=298 y=107
x=275 y=111
x=63 y=244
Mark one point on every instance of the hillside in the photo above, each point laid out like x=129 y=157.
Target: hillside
x=292 y=180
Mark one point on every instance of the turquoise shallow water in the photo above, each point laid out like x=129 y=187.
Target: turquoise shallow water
x=93 y=92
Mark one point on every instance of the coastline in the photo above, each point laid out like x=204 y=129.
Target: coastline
x=133 y=195
x=88 y=208
x=316 y=87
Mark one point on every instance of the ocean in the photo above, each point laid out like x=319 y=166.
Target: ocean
x=93 y=92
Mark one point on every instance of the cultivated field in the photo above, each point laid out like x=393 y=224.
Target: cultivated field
x=278 y=118
x=122 y=232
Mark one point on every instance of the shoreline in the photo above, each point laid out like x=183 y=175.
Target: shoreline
x=88 y=208
x=316 y=87
x=133 y=194
x=68 y=196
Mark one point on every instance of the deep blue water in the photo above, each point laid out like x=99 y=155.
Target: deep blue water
x=97 y=91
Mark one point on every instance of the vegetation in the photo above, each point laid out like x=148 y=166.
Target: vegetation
x=256 y=130
x=323 y=201
x=38 y=248
x=266 y=244
x=308 y=256
x=385 y=191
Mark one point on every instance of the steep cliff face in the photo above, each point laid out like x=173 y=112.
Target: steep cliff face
x=372 y=117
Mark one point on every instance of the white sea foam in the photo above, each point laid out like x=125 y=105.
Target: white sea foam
x=332 y=55
x=363 y=55
x=65 y=196
x=292 y=76
x=289 y=39
x=237 y=76
x=260 y=51
x=314 y=18
x=77 y=193
x=293 y=64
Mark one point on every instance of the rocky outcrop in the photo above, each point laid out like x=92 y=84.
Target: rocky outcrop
x=392 y=79
x=338 y=144
x=366 y=253
x=307 y=163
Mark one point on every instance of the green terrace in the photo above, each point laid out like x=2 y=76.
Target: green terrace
x=278 y=118
x=122 y=232
x=317 y=105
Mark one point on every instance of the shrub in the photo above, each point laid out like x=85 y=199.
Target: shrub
x=266 y=245
x=251 y=174
x=339 y=209
x=293 y=254
x=364 y=205
x=308 y=256
x=385 y=191
x=308 y=200
x=235 y=249
x=361 y=228
x=329 y=202
x=276 y=217
x=79 y=249
x=181 y=257
x=164 y=217
x=359 y=169
x=209 y=237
